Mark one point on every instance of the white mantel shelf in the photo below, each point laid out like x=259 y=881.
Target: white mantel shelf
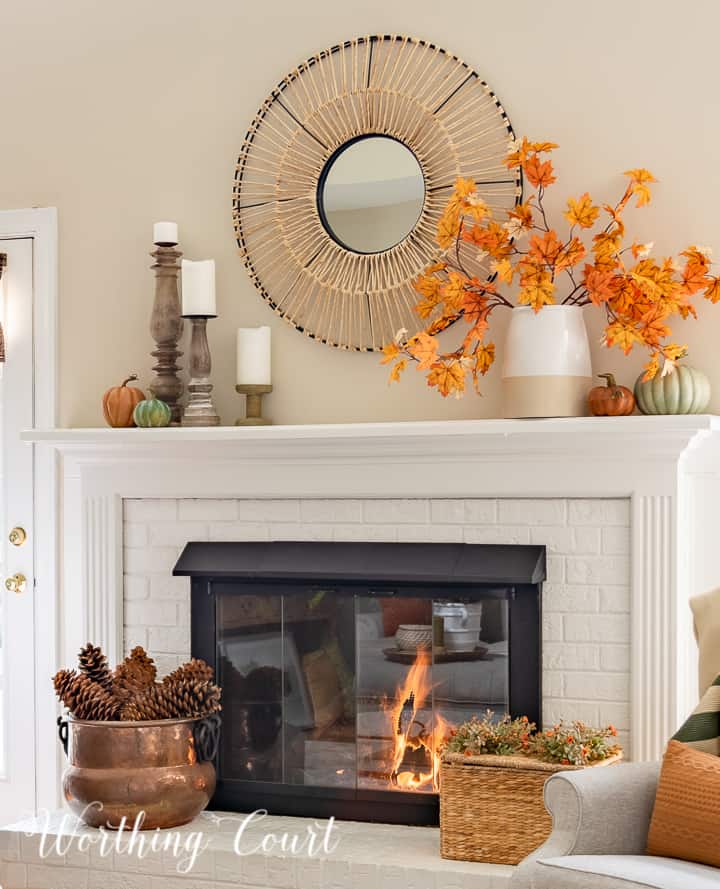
x=619 y=427
x=668 y=468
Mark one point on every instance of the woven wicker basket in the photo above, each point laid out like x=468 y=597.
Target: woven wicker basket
x=491 y=807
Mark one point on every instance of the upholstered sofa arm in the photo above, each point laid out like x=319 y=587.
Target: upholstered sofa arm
x=598 y=811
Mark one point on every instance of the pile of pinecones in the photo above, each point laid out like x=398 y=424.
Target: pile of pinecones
x=131 y=691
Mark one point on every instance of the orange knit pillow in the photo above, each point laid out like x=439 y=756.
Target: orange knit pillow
x=686 y=818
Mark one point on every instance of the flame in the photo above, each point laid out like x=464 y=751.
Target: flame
x=413 y=732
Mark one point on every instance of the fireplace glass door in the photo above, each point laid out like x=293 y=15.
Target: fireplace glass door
x=350 y=690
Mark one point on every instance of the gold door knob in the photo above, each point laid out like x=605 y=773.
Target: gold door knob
x=17 y=536
x=16 y=583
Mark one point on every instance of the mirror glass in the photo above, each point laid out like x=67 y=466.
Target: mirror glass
x=371 y=194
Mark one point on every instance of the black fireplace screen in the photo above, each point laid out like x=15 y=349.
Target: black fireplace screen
x=338 y=688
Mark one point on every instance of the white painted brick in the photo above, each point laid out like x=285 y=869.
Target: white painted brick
x=616 y=540
x=150 y=510
x=135 y=587
x=268 y=510
x=176 y=534
x=566 y=540
x=562 y=597
x=166 y=663
x=170 y=640
x=180 y=882
x=281 y=872
x=599 y=512
x=567 y=656
x=135 y=534
x=532 y=512
x=42 y=876
x=9 y=845
x=118 y=880
x=615 y=599
x=586 y=597
x=596 y=628
x=481 y=512
x=598 y=569
x=159 y=614
x=13 y=876
x=597 y=686
x=450 y=512
x=331 y=511
x=396 y=511
x=133 y=636
x=207 y=510
x=556 y=569
x=496 y=534
x=615 y=658
x=336 y=873
x=239 y=531
x=151 y=560
x=367 y=533
x=561 y=709
x=553 y=683
x=365 y=875
x=253 y=870
x=617 y=714
x=299 y=531
x=552 y=627
x=431 y=534
x=309 y=873
x=169 y=587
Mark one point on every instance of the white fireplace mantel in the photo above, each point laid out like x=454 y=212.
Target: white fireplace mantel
x=669 y=467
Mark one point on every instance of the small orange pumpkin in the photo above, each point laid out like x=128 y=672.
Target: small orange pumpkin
x=611 y=400
x=119 y=403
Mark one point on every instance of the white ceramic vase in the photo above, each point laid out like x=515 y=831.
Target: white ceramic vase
x=546 y=369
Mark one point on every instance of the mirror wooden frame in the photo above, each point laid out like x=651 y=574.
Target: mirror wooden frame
x=385 y=85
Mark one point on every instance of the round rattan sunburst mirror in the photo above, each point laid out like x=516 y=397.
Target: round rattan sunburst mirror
x=344 y=174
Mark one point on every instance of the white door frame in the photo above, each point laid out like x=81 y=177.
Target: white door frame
x=40 y=224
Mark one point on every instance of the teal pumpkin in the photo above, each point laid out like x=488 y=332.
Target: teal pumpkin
x=152 y=412
x=685 y=391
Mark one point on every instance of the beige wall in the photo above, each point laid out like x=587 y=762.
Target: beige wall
x=120 y=114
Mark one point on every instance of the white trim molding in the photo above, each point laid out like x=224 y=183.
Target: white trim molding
x=41 y=224
x=668 y=466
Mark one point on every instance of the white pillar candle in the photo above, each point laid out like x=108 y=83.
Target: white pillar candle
x=198 y=287
x=165 y=234
x=253 y=356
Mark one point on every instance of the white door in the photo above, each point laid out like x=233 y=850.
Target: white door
x=17 y=645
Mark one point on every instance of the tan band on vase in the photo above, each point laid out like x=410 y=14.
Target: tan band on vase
x=545 y=396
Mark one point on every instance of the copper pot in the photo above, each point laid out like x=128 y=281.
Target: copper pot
x=160 y=768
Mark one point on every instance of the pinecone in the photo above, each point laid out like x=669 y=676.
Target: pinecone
x=64 y=683
x=94 y=665
x=195 y=670
x=93 y=702
x=134 y=675
x=84 y=698
x=179 y=700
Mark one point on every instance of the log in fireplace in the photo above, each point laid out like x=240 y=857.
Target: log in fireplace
x=343 y=665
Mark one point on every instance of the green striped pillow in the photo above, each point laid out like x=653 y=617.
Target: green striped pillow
x=702 y=729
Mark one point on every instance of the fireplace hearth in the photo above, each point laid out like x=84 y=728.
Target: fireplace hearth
x=343 y=665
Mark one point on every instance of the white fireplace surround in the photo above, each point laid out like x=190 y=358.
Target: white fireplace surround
x=668 y=467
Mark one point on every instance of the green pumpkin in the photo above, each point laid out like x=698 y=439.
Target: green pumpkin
x=152 y=412
x=685 y=391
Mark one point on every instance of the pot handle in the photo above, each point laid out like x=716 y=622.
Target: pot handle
x=63 y=733
x=206 y=735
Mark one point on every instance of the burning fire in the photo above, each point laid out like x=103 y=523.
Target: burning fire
x=415 y=757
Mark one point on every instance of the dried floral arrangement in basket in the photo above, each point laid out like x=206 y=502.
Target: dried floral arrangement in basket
x=132 y=692
x=573 y=744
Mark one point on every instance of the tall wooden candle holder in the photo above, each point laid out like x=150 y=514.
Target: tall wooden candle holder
x=200 y=410
x=166 y=327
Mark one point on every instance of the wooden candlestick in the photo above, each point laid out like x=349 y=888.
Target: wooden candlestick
x=200 y=410
x=253 y=409
x=166 y=327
